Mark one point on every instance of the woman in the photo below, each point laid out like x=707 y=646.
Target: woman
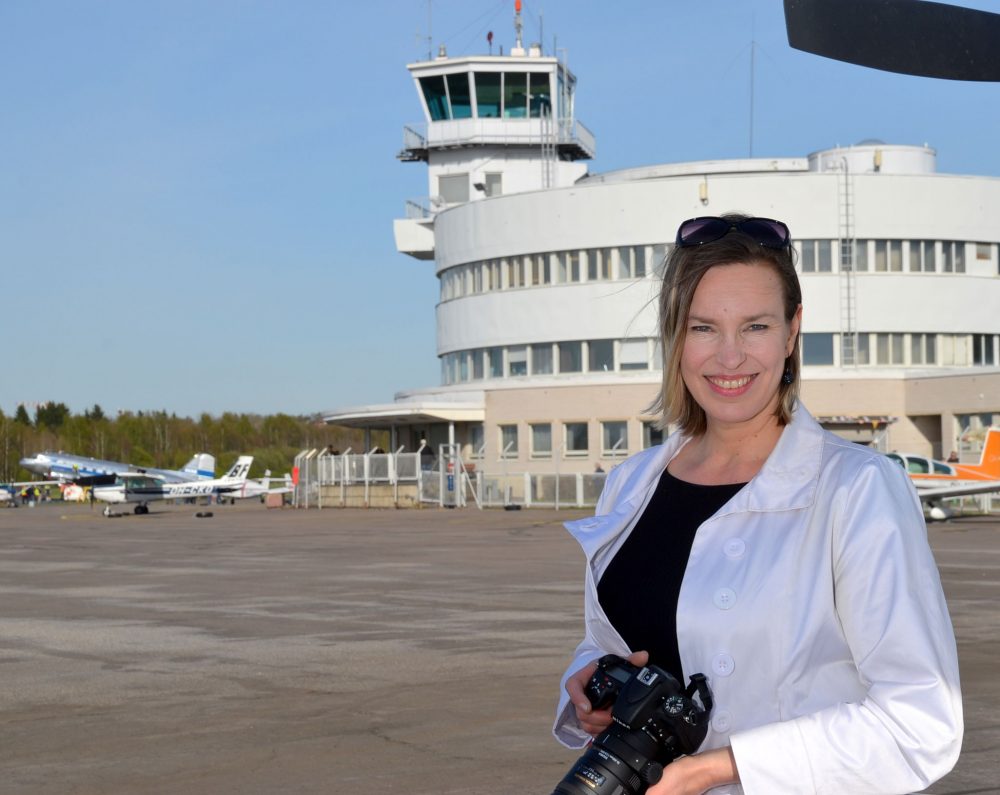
x=789 y=566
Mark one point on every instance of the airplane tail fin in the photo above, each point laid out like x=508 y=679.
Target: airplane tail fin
x=240 y=469
x=990 y=461
x=201 y=466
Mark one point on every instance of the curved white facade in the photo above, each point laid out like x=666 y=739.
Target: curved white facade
x=546 y=322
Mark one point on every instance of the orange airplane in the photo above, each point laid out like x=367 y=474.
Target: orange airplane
x=939 y=480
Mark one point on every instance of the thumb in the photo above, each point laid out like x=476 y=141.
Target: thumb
x=639 y=658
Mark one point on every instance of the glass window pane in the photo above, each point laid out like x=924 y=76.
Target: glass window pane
x=601 y=355
x=570 y=357
x=435 y=97
x=517 y=360
x=541 y=95
x=808 y=256
x=576 y=437
x=916 y=349
x=896 y=348
x=477 y=363
x=508 y=441
x=488 y=94
x=896 y=255
x=614 y=438
x=882 y=349
x=863 y=355
x=930 y=258
x=624 y=262
x=651 y=435
x=860 y=255
x=461 y=101
x=541 y=440
x=454 y=188
x=817 y=349
x=494 y=184
x=541 y=359
x=881 y=263
x=634 y=355
x=824 y=255
x=515 y=95
x=496 y=362
x=639 y=254
x=930 y=349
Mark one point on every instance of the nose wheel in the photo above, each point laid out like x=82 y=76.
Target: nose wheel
x=141 y=509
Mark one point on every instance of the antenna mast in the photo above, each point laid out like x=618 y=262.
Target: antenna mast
x=518 y=24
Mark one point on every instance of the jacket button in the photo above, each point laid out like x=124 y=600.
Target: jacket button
x=723 y=664
x=725 y=598
x=722 y=721
x=735 y=547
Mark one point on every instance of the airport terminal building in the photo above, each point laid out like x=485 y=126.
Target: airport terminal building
x=546 y=322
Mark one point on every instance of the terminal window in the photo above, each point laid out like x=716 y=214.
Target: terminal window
x=614 y=438
x=541 y=440
x=576 y=438
x=817 y=349
x=508 y=441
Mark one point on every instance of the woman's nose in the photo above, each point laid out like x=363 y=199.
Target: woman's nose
x=731 y=353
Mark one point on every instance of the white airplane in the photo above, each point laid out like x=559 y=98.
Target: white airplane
x=142 y=488
x=63 y=467
x=940 y=480
x=259 y=487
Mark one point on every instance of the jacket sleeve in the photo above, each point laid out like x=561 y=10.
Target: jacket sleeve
x=567 y=728
x=907 y=731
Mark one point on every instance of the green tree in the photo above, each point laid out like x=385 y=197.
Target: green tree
x=51 y=415
x=21 y=416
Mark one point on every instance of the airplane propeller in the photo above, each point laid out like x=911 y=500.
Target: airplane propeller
x=913 y=37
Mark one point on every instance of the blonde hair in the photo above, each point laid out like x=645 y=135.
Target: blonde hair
x=684 y=268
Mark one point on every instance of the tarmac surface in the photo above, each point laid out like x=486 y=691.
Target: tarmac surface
x=335 y=651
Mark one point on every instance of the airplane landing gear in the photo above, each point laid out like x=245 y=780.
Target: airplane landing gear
x=141 y=509
x=107 y=510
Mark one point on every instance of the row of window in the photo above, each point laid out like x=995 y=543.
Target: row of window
x=487 y=95
x=906 y=350
x=634 y=262
x=554 y=267
x=573 y=440
x=549 y=358
x=818 y=349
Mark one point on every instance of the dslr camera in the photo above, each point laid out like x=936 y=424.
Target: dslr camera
x=653 y=721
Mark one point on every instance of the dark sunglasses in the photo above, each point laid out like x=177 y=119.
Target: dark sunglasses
x=763 y=231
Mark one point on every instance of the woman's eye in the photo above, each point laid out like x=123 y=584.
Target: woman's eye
x=700 y=329
x=758 y=327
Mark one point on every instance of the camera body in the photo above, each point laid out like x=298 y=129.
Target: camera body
x=654 y=721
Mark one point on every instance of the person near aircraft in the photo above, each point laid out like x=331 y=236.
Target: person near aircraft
x=788 y=565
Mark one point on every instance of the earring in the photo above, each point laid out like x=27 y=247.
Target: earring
x=787 y=377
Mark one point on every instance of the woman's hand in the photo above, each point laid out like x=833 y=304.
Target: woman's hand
x=594 y=721
x=693 y=775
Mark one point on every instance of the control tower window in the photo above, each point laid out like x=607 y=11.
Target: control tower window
x=515 y=95
x=461 y=99
x=488 y=94
x=454 y=188
x=436 y=97
x=541 y=95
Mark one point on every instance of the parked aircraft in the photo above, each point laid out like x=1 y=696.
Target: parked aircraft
x=89 y=471
x=940 y=480
x=259 y=487
x=142 y=488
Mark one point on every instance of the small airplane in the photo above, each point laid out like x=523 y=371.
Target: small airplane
x=259 y=487
x=940 y=480
x=142 y=488
x=86 y=471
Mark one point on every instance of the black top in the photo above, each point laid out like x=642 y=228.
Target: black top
x=640 y=587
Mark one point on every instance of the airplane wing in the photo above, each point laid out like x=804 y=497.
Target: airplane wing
x=963 y=490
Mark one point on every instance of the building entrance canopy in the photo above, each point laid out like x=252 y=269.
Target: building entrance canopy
x=390 y=415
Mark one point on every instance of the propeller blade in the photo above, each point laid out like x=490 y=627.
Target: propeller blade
x=912 y=37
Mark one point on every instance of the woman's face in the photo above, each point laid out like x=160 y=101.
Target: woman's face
x=736 y=343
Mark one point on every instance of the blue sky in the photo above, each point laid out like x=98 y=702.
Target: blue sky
x=196 y=198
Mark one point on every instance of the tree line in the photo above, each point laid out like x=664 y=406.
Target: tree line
x=159 y=439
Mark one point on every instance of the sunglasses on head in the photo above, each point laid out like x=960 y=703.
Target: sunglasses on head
x=763 y=231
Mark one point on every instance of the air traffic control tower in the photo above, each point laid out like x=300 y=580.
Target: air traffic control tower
x=493 y=125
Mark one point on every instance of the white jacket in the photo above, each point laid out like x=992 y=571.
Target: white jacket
x=812 y=602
